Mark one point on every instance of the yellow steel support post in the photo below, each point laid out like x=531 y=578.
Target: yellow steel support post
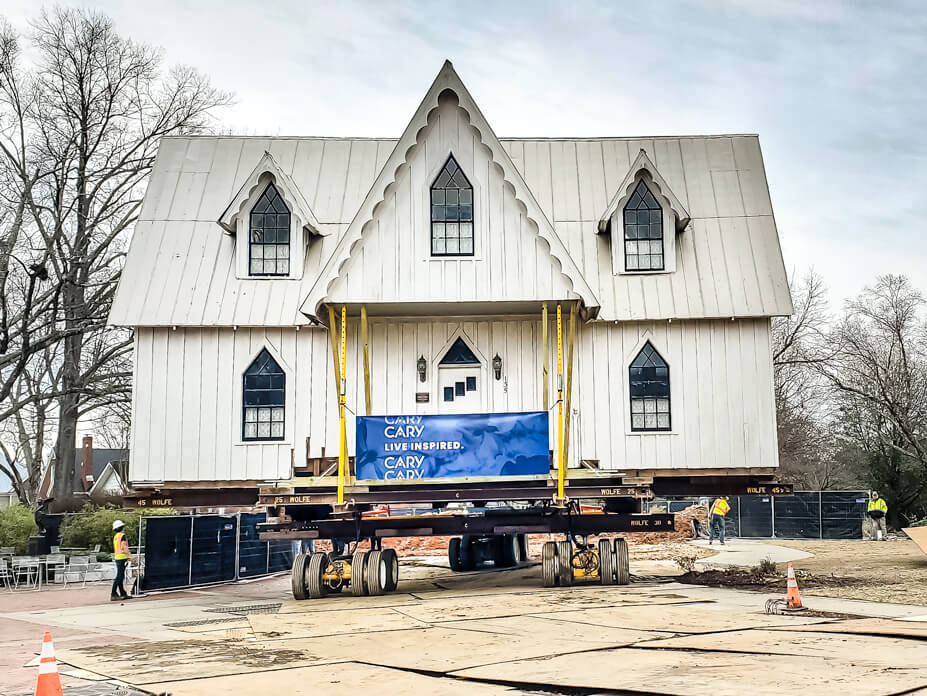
x=333 y=333
x=545 y=357
x=560 y=494
x=343 y=452
x=571 y=335
x=365 y=344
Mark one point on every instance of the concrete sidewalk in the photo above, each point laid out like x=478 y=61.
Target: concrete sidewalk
x=745 y=553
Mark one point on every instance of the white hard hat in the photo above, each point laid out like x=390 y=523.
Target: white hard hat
x=117 y=524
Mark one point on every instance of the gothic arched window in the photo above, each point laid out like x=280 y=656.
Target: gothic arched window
x=263 y=399
x=650 y=391
x=643 y=231
x=269 y=246
x=451 y=212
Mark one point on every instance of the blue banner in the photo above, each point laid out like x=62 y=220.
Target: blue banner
x=446 y=446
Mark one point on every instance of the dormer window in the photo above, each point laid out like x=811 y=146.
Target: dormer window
x=269 y=245
x=643 y=231
x=451 y=212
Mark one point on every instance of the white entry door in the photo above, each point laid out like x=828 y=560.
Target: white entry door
x=459 y=389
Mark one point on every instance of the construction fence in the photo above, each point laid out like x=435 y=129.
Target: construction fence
x=190 y=550
x=802 y=515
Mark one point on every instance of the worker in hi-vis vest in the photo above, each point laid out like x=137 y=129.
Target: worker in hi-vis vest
x=719 y=509
x=122 y=556
x=876 y=511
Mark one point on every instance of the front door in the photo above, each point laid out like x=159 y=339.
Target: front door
x=459 y=389
x=459 y=377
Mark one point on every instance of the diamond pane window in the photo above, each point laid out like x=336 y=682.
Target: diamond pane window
x=650 y=391
x=643 y=231
x=269 y=245
x=263 y=399
x=451 y=212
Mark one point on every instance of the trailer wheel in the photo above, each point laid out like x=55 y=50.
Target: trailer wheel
x=298 y=576
x=606 y=562
x=622 y=563
x=511 y=551
x=377 y=573
x=392 y=565
x=467 y=561
x=549 y=566
x=565 y=558
x=453 y=554
x=359 y=573
x=318 y=564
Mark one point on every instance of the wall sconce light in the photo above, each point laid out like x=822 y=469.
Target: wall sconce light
x=497 y=366
x=422 y=366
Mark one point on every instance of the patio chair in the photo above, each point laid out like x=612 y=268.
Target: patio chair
x=54 y=565
x=76 y=570
x=96 y=548
x=7 y=550
x=6 y=574
x=28 y=569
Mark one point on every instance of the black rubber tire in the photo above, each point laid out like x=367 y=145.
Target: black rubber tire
x=467 y=562
x=359 y=573
x=316 y=586
x=511 y=550
x=622 y=563
x=606 y=562
x=298 y=576
x=377 y=573
x=453 y=554
x=550 y=568
x=565 y=563
x=523 y=547
x=392 y=568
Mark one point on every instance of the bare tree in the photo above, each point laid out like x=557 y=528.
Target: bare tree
x=807 y=445
x=879 y=371
x=80 y=132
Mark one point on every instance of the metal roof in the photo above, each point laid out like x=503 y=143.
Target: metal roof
x=180 y=268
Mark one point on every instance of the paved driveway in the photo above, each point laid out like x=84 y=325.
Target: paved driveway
x=480 y=633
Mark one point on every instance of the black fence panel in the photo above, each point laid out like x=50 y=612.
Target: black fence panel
x=252 y=552
x=842 y=514
x=213 y=549
x=755 y=513
x=167 y=552
x=224 y=548
x=732 y=519
x=798 y=516
x=280 y=556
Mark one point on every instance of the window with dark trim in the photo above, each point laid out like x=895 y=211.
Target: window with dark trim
x=263 y=399
x=650 y=391
x=451 y=212
x=269 y=247
x=643 y=231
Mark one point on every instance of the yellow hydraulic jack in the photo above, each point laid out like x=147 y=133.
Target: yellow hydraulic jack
x=607 y=562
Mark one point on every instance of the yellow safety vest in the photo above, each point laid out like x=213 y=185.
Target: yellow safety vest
x=877 y=504
x=118 y=553
x=721 y=507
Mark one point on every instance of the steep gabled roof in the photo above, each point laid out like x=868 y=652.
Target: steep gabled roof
x=644 y=163
x=447 y=79
x=285 y=185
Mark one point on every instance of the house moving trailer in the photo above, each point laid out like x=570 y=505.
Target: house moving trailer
x=455 y=334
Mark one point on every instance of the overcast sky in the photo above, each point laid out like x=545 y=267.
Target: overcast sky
x=836 y=90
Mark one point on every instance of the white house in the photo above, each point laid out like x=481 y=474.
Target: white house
x=451 y=239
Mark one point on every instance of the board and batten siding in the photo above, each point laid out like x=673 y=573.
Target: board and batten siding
x=392 y=262
x=187 y=399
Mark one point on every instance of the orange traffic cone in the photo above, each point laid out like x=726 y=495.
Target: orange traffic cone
x=792 y=596
x=49 y=683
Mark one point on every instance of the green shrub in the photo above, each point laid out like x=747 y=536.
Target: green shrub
x=17 y=524
x=94 y=525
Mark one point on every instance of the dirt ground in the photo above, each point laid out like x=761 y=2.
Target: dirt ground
x=887 y=571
